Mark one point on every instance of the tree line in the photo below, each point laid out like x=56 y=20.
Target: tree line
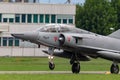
x=99 y=16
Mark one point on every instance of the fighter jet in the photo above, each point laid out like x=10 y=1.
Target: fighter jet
x=75 y=44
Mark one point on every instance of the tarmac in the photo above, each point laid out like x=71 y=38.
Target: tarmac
x=53 y=72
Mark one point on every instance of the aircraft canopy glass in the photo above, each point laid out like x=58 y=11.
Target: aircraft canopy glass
x=54 y=28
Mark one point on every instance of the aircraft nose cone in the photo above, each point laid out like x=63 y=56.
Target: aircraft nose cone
x=13 y=34
x=17 y=35
x=25 y=36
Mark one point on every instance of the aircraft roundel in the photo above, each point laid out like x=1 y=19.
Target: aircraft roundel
x=68 y=38
x=55 y=39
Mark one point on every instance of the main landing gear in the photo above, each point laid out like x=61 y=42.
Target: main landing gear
x=75 y=64
x=76 y=67
x=51 y=63
x=114 y=68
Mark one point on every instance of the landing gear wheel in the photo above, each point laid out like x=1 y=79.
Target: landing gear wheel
x=51 y=65
x=76 y=68
x=114 y=69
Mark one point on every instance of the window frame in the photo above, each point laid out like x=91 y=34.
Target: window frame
x=17 y=18
x=53 y=18
x=47 y=18
x=35 y=18
x=29 y=18
x=4 y=41
x=23 y=18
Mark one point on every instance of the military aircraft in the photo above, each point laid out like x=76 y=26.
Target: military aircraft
x=76 y=44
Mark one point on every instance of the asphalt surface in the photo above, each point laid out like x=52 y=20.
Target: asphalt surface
x=53 y=72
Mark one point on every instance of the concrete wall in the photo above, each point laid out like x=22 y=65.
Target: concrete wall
x=24 y=52
x=36 y=8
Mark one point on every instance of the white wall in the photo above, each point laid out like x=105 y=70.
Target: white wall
x=37 y=8
x=16 y=51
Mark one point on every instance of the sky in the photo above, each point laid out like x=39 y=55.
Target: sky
x=61 y=1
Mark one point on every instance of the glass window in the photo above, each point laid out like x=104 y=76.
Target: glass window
x=48 y=28
x=71 y=21
x=64 y=29
x=17 y=42
x=35 y=18
x=29 y=18
x=53 y=19
x=58 y=20
x=11 y=20
x=41 y=19
x=46 y=18
x=4 y=41
x=10 y=41
x=17 y=18
x=0 y=17
x=65 y=21
x=23 y=18
x=0 y=41
x=5 y=19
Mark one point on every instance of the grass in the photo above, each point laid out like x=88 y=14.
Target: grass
x=41 y=64
x=58 y=77
x=29 y=64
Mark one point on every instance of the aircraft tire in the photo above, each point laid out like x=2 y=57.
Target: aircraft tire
x=76 y=68
x=51 y=65
x=114 y=69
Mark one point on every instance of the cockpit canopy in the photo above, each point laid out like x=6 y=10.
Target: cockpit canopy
x=55 y=28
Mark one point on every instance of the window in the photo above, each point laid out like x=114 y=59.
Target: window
x=17 y=42
x=4 y=41
x=48 y=28
x=46 y=18
x=0 y=17
x=29 y=18
x=65 y=21
x=11 y=20
x=17 y=18
x=41 y=19
x=53 y=19
x=0 y=41
x=58 y=20
x=71 y=21
x=10 y=41
x=23 y=18
x=35 y=18
x=5 y=19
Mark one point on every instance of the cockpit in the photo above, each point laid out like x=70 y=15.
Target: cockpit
x=54 y=28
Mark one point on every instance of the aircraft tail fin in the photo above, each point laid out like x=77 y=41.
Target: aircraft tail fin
x=115 y=34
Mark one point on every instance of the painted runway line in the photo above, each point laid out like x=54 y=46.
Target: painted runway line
x=53 y=72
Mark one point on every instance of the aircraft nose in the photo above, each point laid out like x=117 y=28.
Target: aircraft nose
x=25 y=36
x=13 y=34
x=17 y=35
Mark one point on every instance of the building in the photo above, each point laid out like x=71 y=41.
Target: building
x=20 y=17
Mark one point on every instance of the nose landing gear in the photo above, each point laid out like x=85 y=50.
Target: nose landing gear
x=51 y=63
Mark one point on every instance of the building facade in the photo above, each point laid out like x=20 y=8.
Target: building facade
x=21 y=17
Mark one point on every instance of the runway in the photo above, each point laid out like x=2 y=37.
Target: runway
x=52 y=72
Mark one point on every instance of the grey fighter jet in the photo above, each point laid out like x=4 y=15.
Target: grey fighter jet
x=75 y=44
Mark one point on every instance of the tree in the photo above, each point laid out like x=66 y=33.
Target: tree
x=116 y=5
x=97 y=16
